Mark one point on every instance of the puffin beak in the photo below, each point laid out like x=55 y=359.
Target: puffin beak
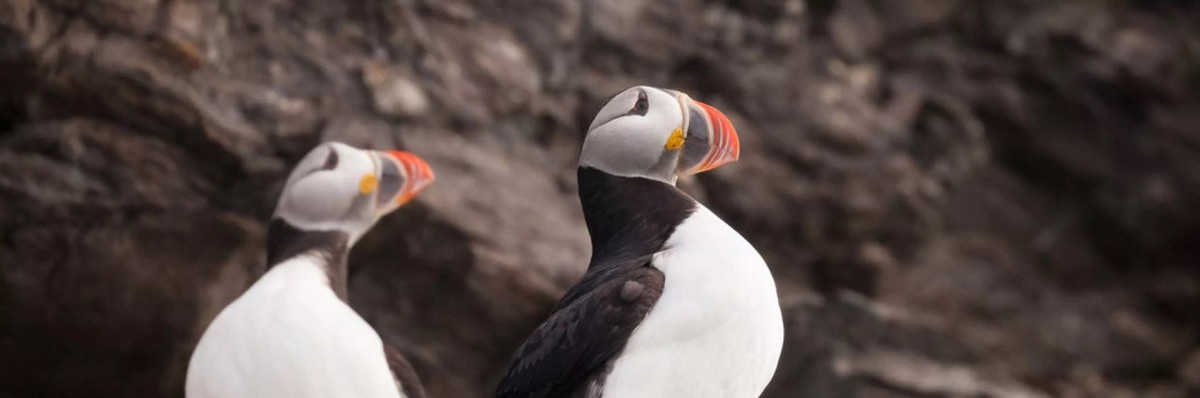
x=402 y=176
x=711 y=139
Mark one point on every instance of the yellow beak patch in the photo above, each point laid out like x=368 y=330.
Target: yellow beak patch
x=368 y=184
x=675 y=141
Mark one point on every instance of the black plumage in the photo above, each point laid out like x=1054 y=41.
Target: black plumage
x=403 y=371
x=285 y=241
x=629 y=220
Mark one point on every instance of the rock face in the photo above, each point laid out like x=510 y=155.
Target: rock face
x=957 y=198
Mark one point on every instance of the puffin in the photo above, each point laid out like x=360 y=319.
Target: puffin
x=292 y=333
x=674 y=302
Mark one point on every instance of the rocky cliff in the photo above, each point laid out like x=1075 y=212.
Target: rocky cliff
x=958 y=198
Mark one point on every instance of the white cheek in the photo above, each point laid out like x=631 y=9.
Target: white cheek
x=629 y=146
x=318 y=199
x=633 y=145
x=666 y=111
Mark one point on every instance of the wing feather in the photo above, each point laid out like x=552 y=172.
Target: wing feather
x=590 y=325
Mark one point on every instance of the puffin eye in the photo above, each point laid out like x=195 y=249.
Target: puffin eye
x=331 y=161
x=642 y=105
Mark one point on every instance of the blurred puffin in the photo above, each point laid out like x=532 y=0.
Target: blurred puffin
x=292 y=333
x=674 y=303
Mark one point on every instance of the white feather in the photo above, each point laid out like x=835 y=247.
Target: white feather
x=290 y=336
x=716 y=331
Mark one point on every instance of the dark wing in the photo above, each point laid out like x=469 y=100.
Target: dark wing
x=590 y=325
x=405 y=376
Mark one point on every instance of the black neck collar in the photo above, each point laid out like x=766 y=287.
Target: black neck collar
x=285 y=241
x=629 y=217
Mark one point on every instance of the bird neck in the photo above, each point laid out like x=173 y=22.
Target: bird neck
x=629 y=217
x=330 y=248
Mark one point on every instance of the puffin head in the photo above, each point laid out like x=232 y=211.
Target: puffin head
x=339 y=188
x=658 y=134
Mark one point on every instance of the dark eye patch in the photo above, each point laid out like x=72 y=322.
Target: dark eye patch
x=331 y=161
x=642 y=105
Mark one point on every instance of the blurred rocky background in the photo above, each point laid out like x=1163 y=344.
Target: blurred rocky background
x=958 y=198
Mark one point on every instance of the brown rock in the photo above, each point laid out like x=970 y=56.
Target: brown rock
x=1189 y=369
x=1009 y=187
x=392 y=93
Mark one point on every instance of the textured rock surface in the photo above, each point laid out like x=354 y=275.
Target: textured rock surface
x=958 y=198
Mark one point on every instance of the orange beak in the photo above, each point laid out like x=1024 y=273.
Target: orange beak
x=711 y=139
x=419 y=174
x=401 y=176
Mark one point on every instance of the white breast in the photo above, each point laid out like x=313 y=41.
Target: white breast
x=716 y=331
x=290 y=336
